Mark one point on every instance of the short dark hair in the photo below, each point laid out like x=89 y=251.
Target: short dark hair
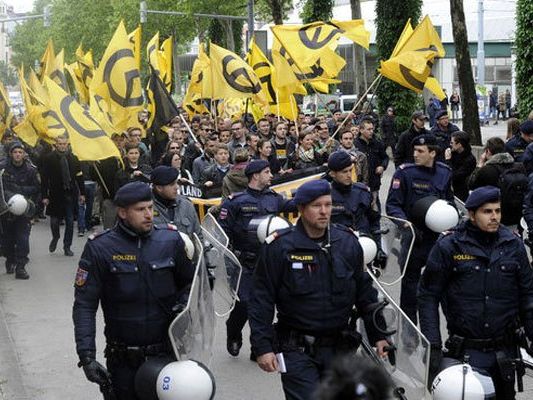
x=462 y=138
x=241 y=155
x=495 y=145
x=131 y=146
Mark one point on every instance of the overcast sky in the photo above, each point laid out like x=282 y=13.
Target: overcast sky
x=21 y=5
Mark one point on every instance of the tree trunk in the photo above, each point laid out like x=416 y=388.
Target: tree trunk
x=228 y=30
x=464 y=72
x=359 y=54
x=277 y=12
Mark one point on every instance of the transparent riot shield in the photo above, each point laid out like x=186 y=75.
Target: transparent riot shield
x=223 y=264
x=192 y=332
x=397 y=241
x=408 y=364
x=463 y=212
x=3 y=204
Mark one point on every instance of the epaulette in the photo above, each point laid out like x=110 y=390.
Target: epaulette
x=345 y=228
x=407 y=165
x=441 y=164
x=277 y=234
x=362 y=186
x=235 y=195
x=95 y=235
x=170 y=227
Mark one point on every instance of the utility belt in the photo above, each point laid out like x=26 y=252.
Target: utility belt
x=294 y=340
x=457 y=344
x=134 y=356
x=248 y=259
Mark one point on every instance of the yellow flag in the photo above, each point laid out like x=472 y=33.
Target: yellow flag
x=88 y=140
x=354 y=30
x=99 y=109
x=26 y=132
x=165 y=63
x=284 y=76
x=232 y=77
x=135 y=38
x=54 y=69
x=47 y=60
x=117 y=80
x=200 y=83
x=152 y=55
x=433 y=85
x=5 y=110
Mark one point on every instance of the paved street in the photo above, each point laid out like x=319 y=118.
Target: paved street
x=37 y=357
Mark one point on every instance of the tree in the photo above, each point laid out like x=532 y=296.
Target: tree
x=317 y=10
x=524 y=54
x=274 y=10
x=391 y=17
x=7 y=75
x=227 y=34
x=464 y=71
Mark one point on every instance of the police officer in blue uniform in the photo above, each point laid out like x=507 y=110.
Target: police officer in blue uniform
x=171 y=207
x=313 y=274
x=236 y=213
x=410 y=184
x=516 y=146
x=481 y=270
x=140 y=273
x=20 y=177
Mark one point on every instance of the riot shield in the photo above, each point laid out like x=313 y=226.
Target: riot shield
x=3 y=204
x=192 y=332
x=408 y=364
x=223 y=264
x=463 y=212
x=397 y=240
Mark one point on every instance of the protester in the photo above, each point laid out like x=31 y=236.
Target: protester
x=264 y=152
x=305 y=156
x=462 y=162
x=134 y=168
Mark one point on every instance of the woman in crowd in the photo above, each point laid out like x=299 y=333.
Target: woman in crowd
x=171 y=159
x=305 y=155
x=264 y=152
x=513 y=128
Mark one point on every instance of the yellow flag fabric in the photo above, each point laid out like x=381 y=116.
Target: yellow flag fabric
x=354 y=30
x=165 y=63
x=232 y=77
x=231 y=108
x=54 y=68
x=89 y=142
x=99 y=110
x=5 y=110
x=433 y=85
x=117 y=80
x=135 y=38
x=199 y=89
x=152 y=55
x=47 y=60
x=26 y=132
x=413 y=57
x=284 y=73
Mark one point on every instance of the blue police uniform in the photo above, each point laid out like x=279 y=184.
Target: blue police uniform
x=23 y=180
x=411 y=183
x=138 y=279
x=486 y=283
x=313 y=285
x=235 y=215
x=516 y=146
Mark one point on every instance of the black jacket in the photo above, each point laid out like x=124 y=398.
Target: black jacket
x=462 y=164
x=403 y=153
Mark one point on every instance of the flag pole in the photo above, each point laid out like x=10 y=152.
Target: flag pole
x=101 y=178
x=377 y=80
x=188 y=128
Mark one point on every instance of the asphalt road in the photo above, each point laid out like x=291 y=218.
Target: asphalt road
x=37 y=354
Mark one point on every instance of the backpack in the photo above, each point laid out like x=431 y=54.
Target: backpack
x=513 y=184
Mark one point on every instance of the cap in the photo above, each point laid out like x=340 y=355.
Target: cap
x=441 y=113
x=256 y=166
x=482 y=195
x=132 y=193
x=311 y=190
x=339 y=160
x=421 y=140
x=164 y=175
x=16 y=145
x=527 y=127
x=419 y=115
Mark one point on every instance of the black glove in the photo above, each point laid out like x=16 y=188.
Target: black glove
x=435 y=358
x=528 y=330
x=95 y=372
x=380 y=261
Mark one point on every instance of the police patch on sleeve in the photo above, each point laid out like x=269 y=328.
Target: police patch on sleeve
x=395 y=183
x=223 y=213
x=81 y=277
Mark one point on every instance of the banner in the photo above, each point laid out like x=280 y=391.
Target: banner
x=5 y=110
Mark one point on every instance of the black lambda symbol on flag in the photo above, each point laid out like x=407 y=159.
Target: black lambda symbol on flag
x=232 y=77
x=313 y=43
x=65 y=111
x=125 y=100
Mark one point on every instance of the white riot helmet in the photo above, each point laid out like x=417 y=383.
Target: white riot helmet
x=461 y=381
x=269 y=225
x=17 y=204
x=369 y=246
x=185 y=380
x=441 y=216
x=189 y=246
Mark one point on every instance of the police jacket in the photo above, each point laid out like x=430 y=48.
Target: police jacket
x=516 y=146
x=352 y=207
x=485 y=280
x=137 y=279
x=312 y=285
x=240 y=208
x=403 y=153
x=179 y=212
x=376 y=156
x=22 y=179
x=411 y=183
x=527 y=211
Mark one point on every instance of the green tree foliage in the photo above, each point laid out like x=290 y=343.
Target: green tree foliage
x=7 y=75
x=391 y=17
x=317 y=10
x=273 y=10
x=524 y=55
x=218 y=34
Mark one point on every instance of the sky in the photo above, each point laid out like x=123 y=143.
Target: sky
x=21 y=5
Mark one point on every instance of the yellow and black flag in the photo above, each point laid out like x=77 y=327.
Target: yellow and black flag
x=160 y=105
x=53 y=66
x=5 y=110
x=135 y=38
x=117 y=80
x=88 y=140
x=165 y=63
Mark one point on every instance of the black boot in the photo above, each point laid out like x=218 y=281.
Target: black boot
x=20 y=272
x=68 y=252
x=10 y=267
x=53 y=245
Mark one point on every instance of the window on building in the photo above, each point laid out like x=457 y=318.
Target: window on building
x=503 y=73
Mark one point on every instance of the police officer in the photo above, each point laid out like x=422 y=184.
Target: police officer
x=169 y=206
x=516 y=146
x=20 y=177
x=352 y=202
x=482 y=270
x=313 y=275
x=139 y=273
x=236 y=213
x=410 y=184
